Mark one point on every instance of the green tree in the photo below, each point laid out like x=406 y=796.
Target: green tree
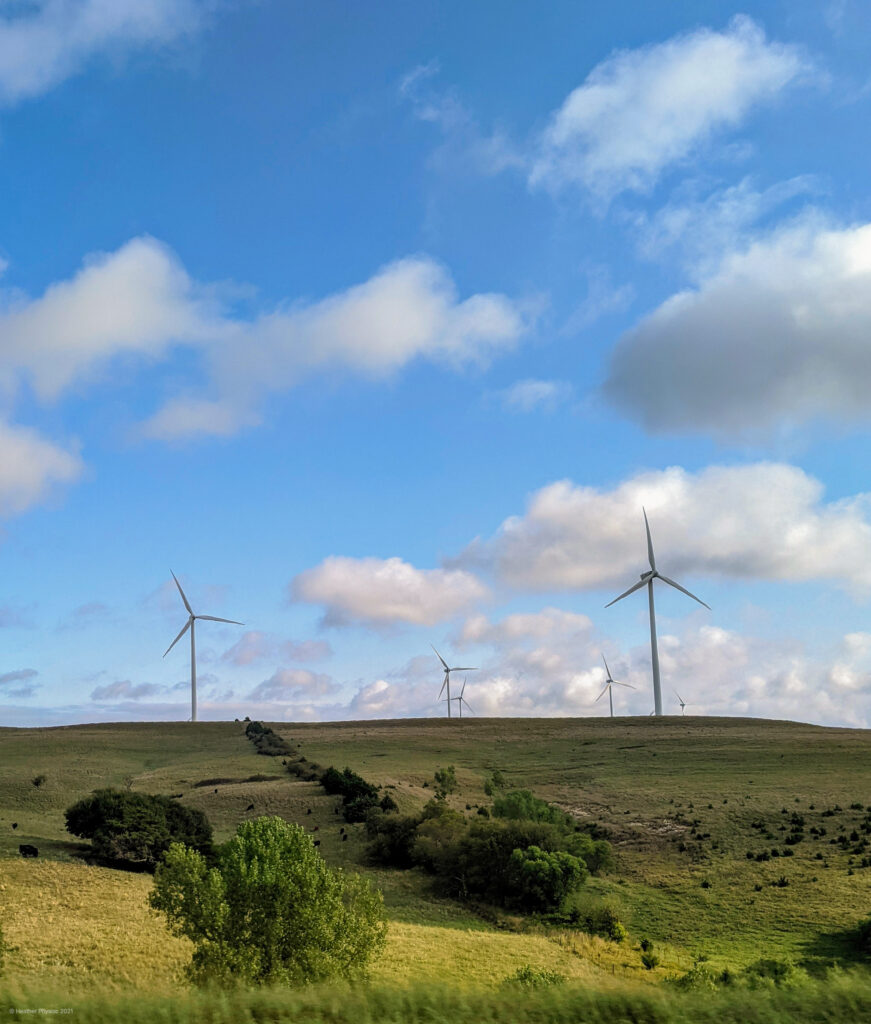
x=136 y=828
x=541 y=881
x=270 y=910
x=445 y=781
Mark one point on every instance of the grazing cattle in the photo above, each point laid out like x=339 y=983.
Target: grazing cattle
x=342 y=830
x=216 y=791
x=345 y=838
x=15 y=824
x=317 y=842
x=337 y=810
x=316 y=828
x=309 y=811
x=250 y=807
x=26 y=850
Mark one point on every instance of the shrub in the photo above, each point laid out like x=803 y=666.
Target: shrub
x=445 y=782
x=137 y=828
x=267 y=741
x=528 y=977
x=270 y=911
x=649 y=961
x=521 y=805
x=863 y=935
x=358 y=796
x=773 y=973
x=541 y=881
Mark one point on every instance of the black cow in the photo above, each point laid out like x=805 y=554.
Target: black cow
x=15 y=824
x=345 y=838
x=250 y=807
x=309 y=811
x=317 y=842
x=216 y=791
x=316 y=828
x=26 y=850
x=342 y=830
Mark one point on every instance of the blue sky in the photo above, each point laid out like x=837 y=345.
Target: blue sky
x=379 y=325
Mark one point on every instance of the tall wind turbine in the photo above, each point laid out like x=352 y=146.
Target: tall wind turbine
x=683 y=704
x=646 y=580
x=447 y=679
x=609 y=685
x=189 y=625
x=461 y=700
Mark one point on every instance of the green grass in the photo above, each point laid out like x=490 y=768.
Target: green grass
x=647 y=781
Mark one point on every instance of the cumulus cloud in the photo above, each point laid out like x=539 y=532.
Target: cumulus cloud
x=293 y=684
x=531 y=394
x=759 y=521
x=777 y=336
x=31 y=467
x=378 y=591
x=642 y=110
x=46 y=41
x=125 y=690
x=138 y=303
x=254 y=646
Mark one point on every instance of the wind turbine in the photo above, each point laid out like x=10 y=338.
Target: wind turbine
x=609 y=685
x=646 y=580
x=461 y=700
x=447 y=679
x=189 y=625
x=683 y=704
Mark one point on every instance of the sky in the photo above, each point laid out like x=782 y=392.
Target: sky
x=378 y=325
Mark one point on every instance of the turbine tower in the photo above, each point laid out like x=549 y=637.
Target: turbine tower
x=447 y=679
x=609 y=685
x=646 y=580
x=189 y=625
x=461 y=700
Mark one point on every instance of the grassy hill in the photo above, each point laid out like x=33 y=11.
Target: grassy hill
x=685 y=801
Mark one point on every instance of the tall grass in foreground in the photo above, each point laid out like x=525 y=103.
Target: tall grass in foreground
x=843 y=998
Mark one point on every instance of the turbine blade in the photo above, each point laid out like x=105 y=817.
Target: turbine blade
x=187 y=626
x=441 y=659
x=444 y=684
x=607 y=670
x=683 y=590
x=631 y=590
x=214 y=618
x=464 y=668
x=463 y=690
x=649 y=541
x=190 y=610
x=602 y=694
x=468 y=705
x=617 y=681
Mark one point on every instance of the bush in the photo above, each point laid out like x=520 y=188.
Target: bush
x=649 y=961
x=770 y=973
x=528 y=977
x=266 y=740
x=521 y=805
x=540 y=881
x=270 y=911
x=863 y=936
x=359 y=797
x=445 y=782
x=137 y=828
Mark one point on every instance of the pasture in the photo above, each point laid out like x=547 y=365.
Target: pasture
x=684 y=800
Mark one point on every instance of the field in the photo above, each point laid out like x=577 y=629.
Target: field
x=685 y=801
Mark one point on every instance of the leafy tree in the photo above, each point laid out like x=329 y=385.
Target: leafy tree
x=137 y=828
x=270 y=911
x=445 y=781
x=541 y=881
x=520 y=804
x=358 y=796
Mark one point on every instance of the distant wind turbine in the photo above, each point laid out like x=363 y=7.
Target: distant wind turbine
x=447 y=679
x=189 y=625
x=646 y=580
x=461 y=700
x=609 y=685
x=683 y=704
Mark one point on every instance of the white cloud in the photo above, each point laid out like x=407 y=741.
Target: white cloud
x=777 y=336
x=531 y=394
x=125 y=690
x=46 y=41
x=30 y=467
x=759 y=521
x=642 y=110
x=286 y=684
x=254 y=646
x=377 y=591
x=139 y=303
